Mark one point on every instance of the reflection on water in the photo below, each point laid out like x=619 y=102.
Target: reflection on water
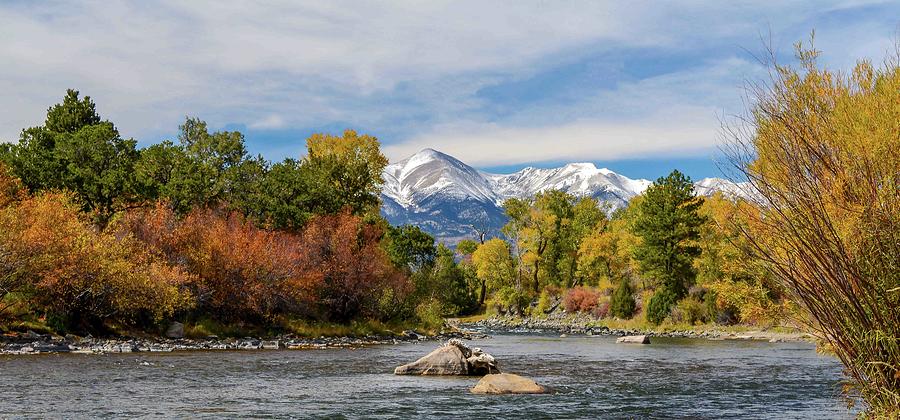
x=591 y=376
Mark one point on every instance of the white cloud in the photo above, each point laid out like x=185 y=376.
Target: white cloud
x=268 y=123
x=493 y=145
x=307 y=64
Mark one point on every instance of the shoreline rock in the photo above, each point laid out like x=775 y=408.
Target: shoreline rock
x=634 y=339
x=31 y=343
x=582 y=324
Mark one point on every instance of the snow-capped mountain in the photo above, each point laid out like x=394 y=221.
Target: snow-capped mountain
x=452 y=200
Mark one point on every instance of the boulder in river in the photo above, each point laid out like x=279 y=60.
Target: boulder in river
x=271 y=344
x=507 y=383
x=634 y=339
x=453 y=358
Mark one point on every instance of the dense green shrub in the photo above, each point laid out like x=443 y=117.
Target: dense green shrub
x=548 y=301
x=690 y=311
x=430 y=313
x=510 y=300
x=622 y=304
x=660 y=305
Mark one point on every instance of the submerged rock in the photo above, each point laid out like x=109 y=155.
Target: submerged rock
x=507 y=383
x=453 y=358
x=634 y=339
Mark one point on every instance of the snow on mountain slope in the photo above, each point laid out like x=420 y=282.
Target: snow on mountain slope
x=451 y=200
x=430 y=172
x=579 y=179
x=709 y=186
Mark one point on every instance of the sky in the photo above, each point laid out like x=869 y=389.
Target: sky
x=638 y=87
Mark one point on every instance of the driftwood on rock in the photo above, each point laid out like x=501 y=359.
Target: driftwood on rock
x=452 y=358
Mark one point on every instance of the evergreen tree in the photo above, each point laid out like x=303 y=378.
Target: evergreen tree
x=409 y=247
x=622 y=303
x=75 y=149
x=669 y=225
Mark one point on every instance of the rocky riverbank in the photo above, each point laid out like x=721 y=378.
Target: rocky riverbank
x=581 y=324
x=32 y=343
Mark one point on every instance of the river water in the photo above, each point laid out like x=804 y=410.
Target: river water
x=592 y=376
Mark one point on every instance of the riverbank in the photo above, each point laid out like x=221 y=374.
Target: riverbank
x=582 y=324
x=33 y=343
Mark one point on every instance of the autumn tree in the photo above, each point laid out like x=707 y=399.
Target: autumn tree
x=494 y=266
x=588 y=219
x=80 y=278
x=821 y=156
x=729 y=267
x=350 y=167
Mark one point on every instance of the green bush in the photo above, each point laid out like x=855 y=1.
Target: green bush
x=546 y=302
x=622 y=304
x=690 y=311
x=430 y=313
x=510 y=300
x=660 y=305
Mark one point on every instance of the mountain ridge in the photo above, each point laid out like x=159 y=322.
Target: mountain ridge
x=452 y=200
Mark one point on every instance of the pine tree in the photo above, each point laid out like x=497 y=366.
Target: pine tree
x=622 y=304
x=669 y=227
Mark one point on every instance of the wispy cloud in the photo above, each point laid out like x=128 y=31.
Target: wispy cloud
x=494 y=145
x=268 y=123
x=569 y=80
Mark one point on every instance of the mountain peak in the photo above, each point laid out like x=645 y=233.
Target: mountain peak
x=447 y=197
x=430 y=154
x=582 y=166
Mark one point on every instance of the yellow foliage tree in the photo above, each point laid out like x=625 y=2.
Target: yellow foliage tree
x=493 y=264
x=823 y=157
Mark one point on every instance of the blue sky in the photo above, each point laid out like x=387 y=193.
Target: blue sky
x=639 y=87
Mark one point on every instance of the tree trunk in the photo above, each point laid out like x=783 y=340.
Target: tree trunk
x=483 y=292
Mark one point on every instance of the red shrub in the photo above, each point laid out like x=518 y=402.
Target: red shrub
x=344 y=257
x=601 y=311
x=334 y=269
x=581 y=299
x=243 y=272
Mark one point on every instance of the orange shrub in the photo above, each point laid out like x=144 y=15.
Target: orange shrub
x=79 y=275
x=242 y=272
x=11 y=189
x=581 y=299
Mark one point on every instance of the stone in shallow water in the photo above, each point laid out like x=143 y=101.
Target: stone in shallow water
x=272 y=345
x=445 y=360
x=453 y=358
x=507 y=383
x=634 y=339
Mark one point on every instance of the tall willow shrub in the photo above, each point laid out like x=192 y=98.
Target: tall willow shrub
x=822 y=152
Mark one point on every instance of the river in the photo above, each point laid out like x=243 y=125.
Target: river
x=592 y=377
